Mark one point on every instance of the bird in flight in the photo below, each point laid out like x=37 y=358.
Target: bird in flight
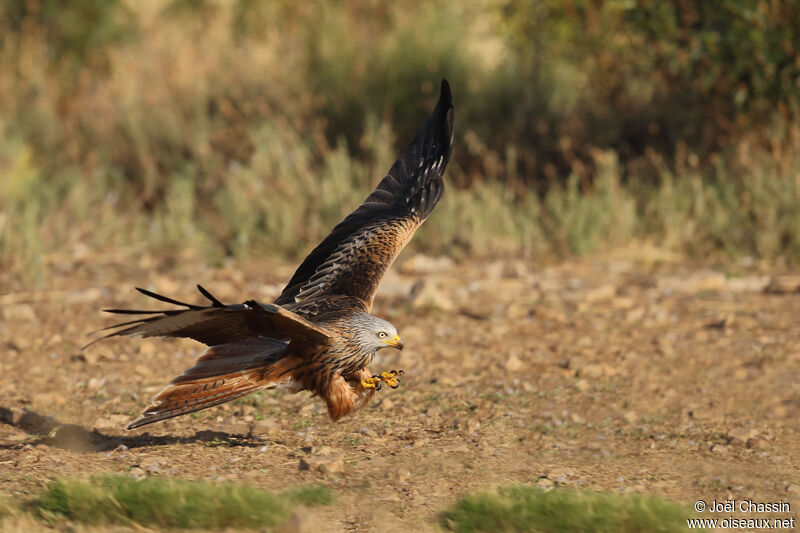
x=318 y=335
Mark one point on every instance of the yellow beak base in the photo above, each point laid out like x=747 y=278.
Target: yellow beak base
x=394 y=342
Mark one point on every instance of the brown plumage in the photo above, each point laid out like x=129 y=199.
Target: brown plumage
x=318 y=334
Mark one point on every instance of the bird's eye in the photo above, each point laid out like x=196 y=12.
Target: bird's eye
x=382 y=335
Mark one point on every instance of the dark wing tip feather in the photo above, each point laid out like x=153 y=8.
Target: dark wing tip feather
x=420 y=168
x=445 y=96
x=121 y=328
x=414 y=183
x=166 y=299
x=412 y=188
x=211 y=298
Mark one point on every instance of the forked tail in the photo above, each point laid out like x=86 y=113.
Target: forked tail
x=220 y=375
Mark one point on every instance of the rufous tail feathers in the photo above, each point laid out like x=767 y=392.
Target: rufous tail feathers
x=220 y=375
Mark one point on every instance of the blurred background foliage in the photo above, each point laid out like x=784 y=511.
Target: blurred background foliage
x=246 y=127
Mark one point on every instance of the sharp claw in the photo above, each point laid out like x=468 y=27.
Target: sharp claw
x=372 y=383
x=390 y=377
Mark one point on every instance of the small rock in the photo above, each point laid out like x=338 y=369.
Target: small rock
x=19 y=312
x=143 y=371
x=333 y=464
x=748 y=284
x=426 y=295
x=13 y=416
x=369 y=432
x=694 y=282
x=560 y=474
x=544 y=483
x=517 y=311
x=301 y=521
x=149 y=462
x=783 y=285
x=386 y=404
x=396 y=287
x=623 y=302
x=104 y=423
x=635 y=314
x=596 y=371
x=740 y=436
x=720 y=323
x=87 y=356
x=631 y=417
x=576 y=418
x=514 y=363
x=582 y=385
x=598 y=294
x=239 y=428
x=323 y=451
x=267 y=426
x=753 y=443
x=423 y=264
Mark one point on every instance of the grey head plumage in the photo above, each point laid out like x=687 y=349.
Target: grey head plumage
x=372 y=333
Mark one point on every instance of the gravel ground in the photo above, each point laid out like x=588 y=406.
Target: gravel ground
x=627 y=372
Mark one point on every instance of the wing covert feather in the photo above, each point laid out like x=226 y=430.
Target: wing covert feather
x=217 y=323
x=353 y=258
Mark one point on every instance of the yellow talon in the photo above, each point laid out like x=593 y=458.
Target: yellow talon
x=372 y=383
x=390 y=378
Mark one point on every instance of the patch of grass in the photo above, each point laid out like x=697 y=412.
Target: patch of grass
x=159 y=503
x=7 y=507
x=310 y=495
x=302 y=424
x=526 y=508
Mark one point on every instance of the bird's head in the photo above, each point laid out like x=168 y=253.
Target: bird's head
x=374 y=334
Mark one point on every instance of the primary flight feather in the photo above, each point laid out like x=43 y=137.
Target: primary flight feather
x=318 y=334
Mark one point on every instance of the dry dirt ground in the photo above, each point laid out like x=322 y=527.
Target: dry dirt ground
x=628 y=372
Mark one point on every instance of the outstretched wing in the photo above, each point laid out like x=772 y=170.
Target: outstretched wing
x=217 y=323
x=352 y=260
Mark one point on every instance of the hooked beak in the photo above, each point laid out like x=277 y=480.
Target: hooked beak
x=394 y=342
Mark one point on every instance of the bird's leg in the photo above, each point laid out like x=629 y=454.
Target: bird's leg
x=390 y=377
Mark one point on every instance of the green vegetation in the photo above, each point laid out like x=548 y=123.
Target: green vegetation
x=310 y=495
x=244 y=127
x=152 y=502
x=7 y=507
x=526 y=508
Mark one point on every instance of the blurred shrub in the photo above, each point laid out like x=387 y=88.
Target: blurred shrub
x=241 y=125
x=642 y=74
x=76 y=30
